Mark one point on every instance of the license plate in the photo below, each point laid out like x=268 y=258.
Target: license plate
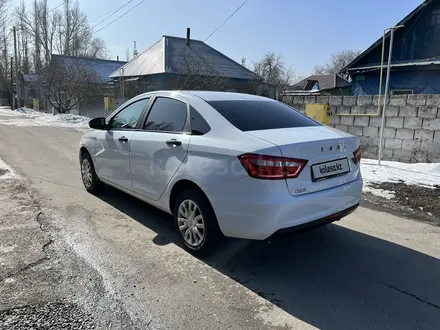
x=330 y=169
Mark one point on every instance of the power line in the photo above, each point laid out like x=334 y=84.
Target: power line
x=226 y=20
x=220 y=26
x=111 y=13
x=58 y=6
x=120 y=16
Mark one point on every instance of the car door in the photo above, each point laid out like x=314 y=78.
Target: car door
x=113 y=156
x=158 y=150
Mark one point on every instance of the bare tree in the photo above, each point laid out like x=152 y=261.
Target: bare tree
x=96 y=49
x=70 y=86
x=63 y=31
x=274 y=71
x=77 y=34
x=50 y=24
x=338 y=62
x=199 y=74
x=23 y=42
x=4 y=45
x=33 y=26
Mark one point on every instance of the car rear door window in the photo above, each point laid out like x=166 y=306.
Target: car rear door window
x=167 y=115
x=261 y=115
x=129 y=116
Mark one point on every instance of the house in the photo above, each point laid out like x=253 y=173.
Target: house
x=331 y=84
x=415 y=67
x=174 y=63
x=78 y=75
x=102 y=68
x=30 y=89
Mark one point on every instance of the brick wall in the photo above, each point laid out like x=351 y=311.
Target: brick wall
x=412 y=124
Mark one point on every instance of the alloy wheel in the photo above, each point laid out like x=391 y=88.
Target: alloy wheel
x=191 y=223
x=86 y=173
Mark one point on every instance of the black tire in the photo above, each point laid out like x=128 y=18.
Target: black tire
x=211 y=234
x=93 y=185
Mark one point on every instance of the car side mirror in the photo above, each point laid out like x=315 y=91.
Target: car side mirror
x=98 y=123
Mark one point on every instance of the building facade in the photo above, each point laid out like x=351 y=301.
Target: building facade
x=415 y=65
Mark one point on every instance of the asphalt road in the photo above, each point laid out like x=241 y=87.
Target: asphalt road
x=370 y=270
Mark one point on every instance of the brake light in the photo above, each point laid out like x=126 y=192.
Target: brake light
x=272 y=168
x=357 y=155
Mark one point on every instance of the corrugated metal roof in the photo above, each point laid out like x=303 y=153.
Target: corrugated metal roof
x=324 y=82
x=397 y=64
x=31 y=77
x=417 y=10
x=102 y=68
x=172 y=55
x=148 y=62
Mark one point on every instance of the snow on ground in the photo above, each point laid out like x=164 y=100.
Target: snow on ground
x=421 y=174
x=29 y=117
x=6 y=172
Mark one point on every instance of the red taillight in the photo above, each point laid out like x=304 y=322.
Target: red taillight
x=357 y=155
x=270 y=167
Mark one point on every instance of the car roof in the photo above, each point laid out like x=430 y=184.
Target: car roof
x=212 y=96
x=225 y=96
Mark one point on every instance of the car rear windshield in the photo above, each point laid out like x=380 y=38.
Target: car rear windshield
x=261 y=115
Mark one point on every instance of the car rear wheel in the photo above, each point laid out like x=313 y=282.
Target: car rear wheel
x=196 y=222
x=88 y=175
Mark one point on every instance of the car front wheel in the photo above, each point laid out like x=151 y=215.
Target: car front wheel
x=196 y=222
x=88 y=175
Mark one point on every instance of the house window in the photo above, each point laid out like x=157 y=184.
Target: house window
x=401 y=91
x=435 y=21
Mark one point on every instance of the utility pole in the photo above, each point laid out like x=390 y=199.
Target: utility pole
x=122 y=85
x=68 y=30
x=17 y=89
x=387 y=88
x=12 y=84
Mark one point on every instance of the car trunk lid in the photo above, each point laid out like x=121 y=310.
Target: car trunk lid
x=329 y=153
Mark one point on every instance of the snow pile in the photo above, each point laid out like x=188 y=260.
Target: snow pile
x=28 y=117
x=6 y=172
x=64 y=120
x=26 y=110
x=421 y=174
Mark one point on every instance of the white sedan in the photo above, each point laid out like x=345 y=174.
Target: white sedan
x=224 y=164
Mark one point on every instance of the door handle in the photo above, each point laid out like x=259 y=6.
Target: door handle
x=123 y=139
x=174 y=143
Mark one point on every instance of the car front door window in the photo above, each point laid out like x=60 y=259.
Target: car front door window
x=129 y=116
x=167 y=115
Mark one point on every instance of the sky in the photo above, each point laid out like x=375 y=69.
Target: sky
x=305 y=32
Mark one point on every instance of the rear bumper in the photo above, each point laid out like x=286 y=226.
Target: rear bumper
x=319 y=222
x=256 y=209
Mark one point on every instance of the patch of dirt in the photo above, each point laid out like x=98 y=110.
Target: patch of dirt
x=56 y=315
x=414 y=200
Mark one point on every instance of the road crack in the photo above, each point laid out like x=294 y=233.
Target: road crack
x=26 y=267
x=39 y=260
x=32 y=264
x=411 y=295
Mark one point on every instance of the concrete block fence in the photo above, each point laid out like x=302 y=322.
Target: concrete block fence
x=412 y=123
